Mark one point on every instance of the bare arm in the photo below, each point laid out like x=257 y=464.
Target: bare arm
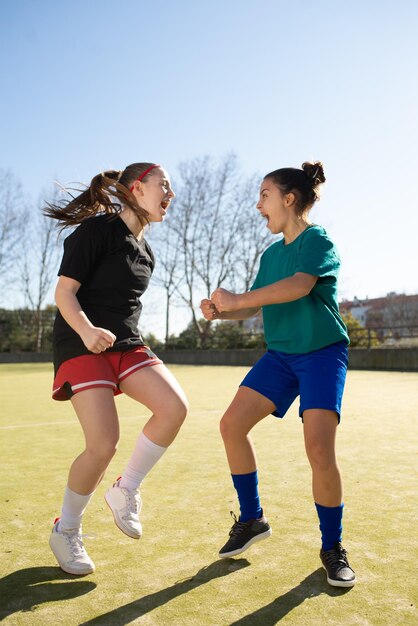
x=210 y=312
x=285 y=290
x=95 y=339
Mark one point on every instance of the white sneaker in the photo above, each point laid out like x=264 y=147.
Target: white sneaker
x=69 y=551
x=125 y=506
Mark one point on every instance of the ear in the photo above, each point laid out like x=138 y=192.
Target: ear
x=289 y=199
x=138 y=187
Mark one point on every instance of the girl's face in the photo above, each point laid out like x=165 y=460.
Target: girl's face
x=274 y=206
x=155 y=194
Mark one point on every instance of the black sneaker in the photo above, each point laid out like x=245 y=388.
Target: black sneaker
x=339 y=572
x=243 y=534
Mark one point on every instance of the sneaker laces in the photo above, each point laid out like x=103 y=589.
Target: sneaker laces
x=238 y=526
x=336 y=556
x=75 y=542
x=132 y=503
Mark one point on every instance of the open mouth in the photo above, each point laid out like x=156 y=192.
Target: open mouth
x=165 y=204
x=267 y=218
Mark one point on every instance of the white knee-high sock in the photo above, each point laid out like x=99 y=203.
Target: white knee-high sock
x=73 y=508
x=143 y=459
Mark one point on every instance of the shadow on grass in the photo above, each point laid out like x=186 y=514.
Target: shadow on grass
x=128 y=612
x=310 y=587
x=26 y=588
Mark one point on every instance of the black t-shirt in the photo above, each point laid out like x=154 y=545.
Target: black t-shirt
x=114 y=269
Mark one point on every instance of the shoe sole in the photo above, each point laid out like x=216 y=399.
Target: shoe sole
x=69 y=570
x=119 y=524
x=340 y=583
x=260 y=537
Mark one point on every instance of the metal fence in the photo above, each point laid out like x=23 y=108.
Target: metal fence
x=384 y=336
x=23 y=330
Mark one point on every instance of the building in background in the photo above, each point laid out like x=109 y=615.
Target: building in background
x=393 y=316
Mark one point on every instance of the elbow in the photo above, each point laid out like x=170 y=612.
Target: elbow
x=60 y=296
x=306 y=284
x=66 y=287
x=57 y=294
x=307 y=290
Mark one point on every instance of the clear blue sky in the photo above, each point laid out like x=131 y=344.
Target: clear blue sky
x=92 y=84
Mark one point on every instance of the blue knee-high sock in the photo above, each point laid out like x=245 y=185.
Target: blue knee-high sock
x=247 y=490
x=330 y=524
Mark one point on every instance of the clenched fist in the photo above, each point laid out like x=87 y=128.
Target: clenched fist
x=98 y=340
x=224 y=300
x=208 y=310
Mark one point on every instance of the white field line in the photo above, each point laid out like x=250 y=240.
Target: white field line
x=57 y=423
x=74 y=421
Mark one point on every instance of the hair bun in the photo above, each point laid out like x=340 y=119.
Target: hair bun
x=315 y=172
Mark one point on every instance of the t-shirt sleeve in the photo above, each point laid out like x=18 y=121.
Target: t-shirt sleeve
x=82 y=251
x=318 y=255
x=151 y=254
x=257 y=282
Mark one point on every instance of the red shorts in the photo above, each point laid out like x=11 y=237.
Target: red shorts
x=107 y=369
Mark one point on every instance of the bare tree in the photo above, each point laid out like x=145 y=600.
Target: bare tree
x=214 y=226
x=39 y=264
x=253 y=238
x=168 y=274
x=12 y=220
x=199 y=223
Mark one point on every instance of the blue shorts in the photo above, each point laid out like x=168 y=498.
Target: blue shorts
x=318 y=377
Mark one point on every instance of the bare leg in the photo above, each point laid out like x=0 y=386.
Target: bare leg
x=247 y=409
x=96 y=411
x=319 y=428
x=157 y=389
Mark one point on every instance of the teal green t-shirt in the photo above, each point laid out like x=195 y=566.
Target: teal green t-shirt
x=312 y=322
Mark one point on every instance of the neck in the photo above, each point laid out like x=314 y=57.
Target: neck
x=132 y=222
x=295 y=228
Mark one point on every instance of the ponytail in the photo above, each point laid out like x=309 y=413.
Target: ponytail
x=108 y=192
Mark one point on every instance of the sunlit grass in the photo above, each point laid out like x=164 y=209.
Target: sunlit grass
x=172 y=575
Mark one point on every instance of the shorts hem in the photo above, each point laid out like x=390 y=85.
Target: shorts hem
x=138 y=366
x=320 y=408
x=61 y=394
x=275 y=412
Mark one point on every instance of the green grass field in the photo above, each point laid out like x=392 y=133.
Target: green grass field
x=172 y=576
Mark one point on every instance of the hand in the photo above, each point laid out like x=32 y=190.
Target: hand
x=209 y=310
x=98 y=340
x=224 y=300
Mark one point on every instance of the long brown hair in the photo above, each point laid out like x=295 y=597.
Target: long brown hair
x=108 y=193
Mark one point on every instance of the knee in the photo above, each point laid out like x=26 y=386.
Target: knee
x=103 y=451
x=321 y=457
x=178 y=410
x=224 y=428
x=229 y=427
x=182 y=410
